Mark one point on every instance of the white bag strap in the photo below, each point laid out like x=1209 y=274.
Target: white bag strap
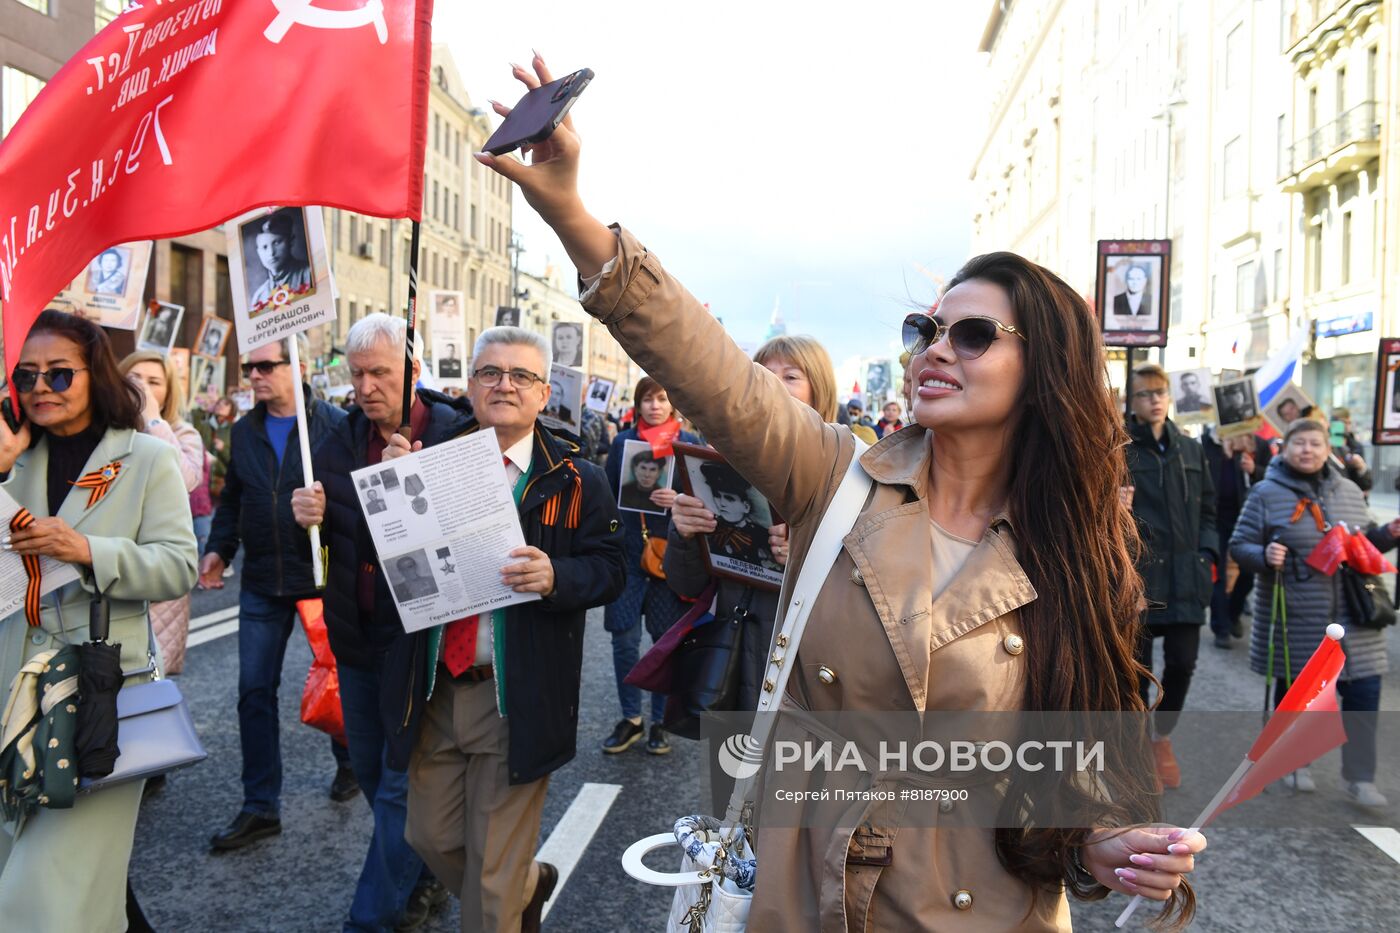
x=836 y=523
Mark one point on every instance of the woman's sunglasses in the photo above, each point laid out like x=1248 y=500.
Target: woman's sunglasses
x=970 y=336
x=59 y=378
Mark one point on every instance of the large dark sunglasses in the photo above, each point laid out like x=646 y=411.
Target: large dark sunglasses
x=970 y=336
x=59 y=378
x=264 y=367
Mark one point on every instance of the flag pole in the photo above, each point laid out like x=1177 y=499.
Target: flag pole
x=318 y=556
x=405 y=425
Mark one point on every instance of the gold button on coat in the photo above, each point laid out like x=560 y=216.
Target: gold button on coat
x=1014 y=644
x=857 y=577
x=826 y=675
x=963 y=900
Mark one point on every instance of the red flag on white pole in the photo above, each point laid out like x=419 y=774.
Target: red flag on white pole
x=182 y=114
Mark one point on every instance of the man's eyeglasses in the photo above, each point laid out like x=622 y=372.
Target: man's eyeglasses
x=60 y=378
x=490 y=377
x=264 y=367
x=1150 y=393
x=970 y=337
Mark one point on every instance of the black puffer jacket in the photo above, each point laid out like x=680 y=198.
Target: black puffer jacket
x=1174 y=504
x=255 y=509
x=360 y=634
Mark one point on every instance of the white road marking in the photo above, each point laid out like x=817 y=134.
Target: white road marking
x=1383 y=838
x=211 y=632
x=204 y=621
x=574 y=831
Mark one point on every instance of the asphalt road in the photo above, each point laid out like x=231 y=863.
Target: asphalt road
x=1251 y=879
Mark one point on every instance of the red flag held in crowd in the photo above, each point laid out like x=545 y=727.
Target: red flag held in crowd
x=182 y=114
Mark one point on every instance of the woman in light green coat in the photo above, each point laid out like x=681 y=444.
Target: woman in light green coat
x=111 y=502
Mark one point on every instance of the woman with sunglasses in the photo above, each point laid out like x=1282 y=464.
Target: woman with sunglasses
x=990 y=570
x=110 y=501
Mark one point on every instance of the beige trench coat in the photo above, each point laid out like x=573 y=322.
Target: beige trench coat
x=875 y=625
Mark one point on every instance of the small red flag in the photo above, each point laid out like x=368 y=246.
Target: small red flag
x=181 y=115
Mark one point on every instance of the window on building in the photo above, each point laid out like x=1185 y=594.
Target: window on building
x=1214 y=291
x=1345 y=270
x=17 y=90
x=353 y=318
x=437 y=133
x=1278 y=275
x=471 y=284
x=1312 y=242
x=384 y=247
x=474 y=233
x=1236 y=56
x=106 y=10
x=335 y=230
x=354 y=233
x=1341 y=91
x=41 y=6
x=437 y=192
x=1281 y=140
x=1372 y=59
x=456 y=211
x=1232 y=168
x=1244 y=287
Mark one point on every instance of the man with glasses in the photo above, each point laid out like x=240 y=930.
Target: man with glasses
x=491 y=701
x=264 y=469
x=1173 y=499
x=394 y=890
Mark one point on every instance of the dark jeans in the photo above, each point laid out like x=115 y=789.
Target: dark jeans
x=264 y=624
x=1361 y=699
x=1180 y=643
x=1226 y=608
x=391 y=868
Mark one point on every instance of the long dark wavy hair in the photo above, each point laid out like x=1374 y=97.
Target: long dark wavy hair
x=114 y=401
x=1078 y=544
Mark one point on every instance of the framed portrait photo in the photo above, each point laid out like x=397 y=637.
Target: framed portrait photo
x=1133 y=291
x=279 y=274
x=1287 y=406
x=1237 y=407
x=642 y=474
x=1386 y=430
x=160 y=327
x=566 y=337
x=565 y=406
x=738 y=547
x=1192 y=402
x=599 y=394
x=507 y=317
x=213 y=336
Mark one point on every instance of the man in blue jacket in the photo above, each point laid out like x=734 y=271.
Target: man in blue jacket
x=488 y=706
x=394 y=892
x=257 y=499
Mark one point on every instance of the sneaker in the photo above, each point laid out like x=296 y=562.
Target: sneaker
x=1224 y=641
x=1168 y=771
x=624 y=735
x=1366 y=794
x=344 y=787
x=228 y=572
x=1300 y=781
x=428 y=896
x=656 y=741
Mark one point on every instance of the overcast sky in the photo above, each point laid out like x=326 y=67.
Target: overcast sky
x=764 y=150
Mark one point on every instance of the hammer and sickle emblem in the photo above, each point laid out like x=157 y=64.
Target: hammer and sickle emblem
x=292 y=12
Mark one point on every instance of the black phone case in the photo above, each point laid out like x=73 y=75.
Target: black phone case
x=538 y=113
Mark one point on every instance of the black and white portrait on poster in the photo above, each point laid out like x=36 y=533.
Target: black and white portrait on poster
x=567 y=340
x=108 y=274
x=1133 y=291
x=279 y=274
x=1237 y=407
x=110 y=290
x=161 y=326
x=411 y=576
x=1191 y=399
x=507 y=317
x=1386 y=427
x=877 y=382
x=738 y=547
x=642 y=474
x=565 y=406
x=213 y=336
x=599 y=395
x=448 y=324
x=1288 y=406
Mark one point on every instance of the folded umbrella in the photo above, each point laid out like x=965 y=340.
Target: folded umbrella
x=99 y=680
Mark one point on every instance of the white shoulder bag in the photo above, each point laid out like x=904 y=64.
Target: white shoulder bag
x=714 y=887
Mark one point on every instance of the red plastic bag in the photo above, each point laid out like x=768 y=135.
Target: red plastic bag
x=320 y=698
x=1363 y=557
x=1330 y=552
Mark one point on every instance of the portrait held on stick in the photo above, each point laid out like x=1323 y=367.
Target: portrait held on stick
x=1133 y=291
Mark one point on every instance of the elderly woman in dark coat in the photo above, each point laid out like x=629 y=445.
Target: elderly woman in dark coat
x=1275 y=533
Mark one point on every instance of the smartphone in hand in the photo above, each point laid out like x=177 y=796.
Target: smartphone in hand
x=538 y=113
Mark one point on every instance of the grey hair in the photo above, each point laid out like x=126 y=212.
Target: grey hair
x=303 y=348
x=374 y=329
x=515 y=337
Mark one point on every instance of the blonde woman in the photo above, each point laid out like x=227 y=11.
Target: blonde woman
x=164 y=419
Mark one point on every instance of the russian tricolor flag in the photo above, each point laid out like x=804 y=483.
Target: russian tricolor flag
x=1270 y=378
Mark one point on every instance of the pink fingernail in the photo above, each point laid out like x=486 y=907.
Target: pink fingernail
x=1180 y=848
x=515 y=67
x=1127 y=874
x=1144 y=860
x=1178 y=835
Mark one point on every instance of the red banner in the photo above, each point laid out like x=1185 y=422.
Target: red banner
x=182 y=114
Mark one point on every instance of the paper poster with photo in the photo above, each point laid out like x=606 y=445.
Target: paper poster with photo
x=14 y=576
x=565 y=406
x=1287 y=406
x=599 y=394
x=1237 y=407
x=507 y=317
x=643 y=472
x=180 y=359
x=1386 y=429
x=242 y=399
x=877 y=383
x=213 y=336
x=1133 y=292
x=448 y=325
x=444 y=522
x=738 y=547
x=280 y=274
x=1192 y=402
x=206 y=381
x=566 y=337
x=160 y=326
x=110 y=290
